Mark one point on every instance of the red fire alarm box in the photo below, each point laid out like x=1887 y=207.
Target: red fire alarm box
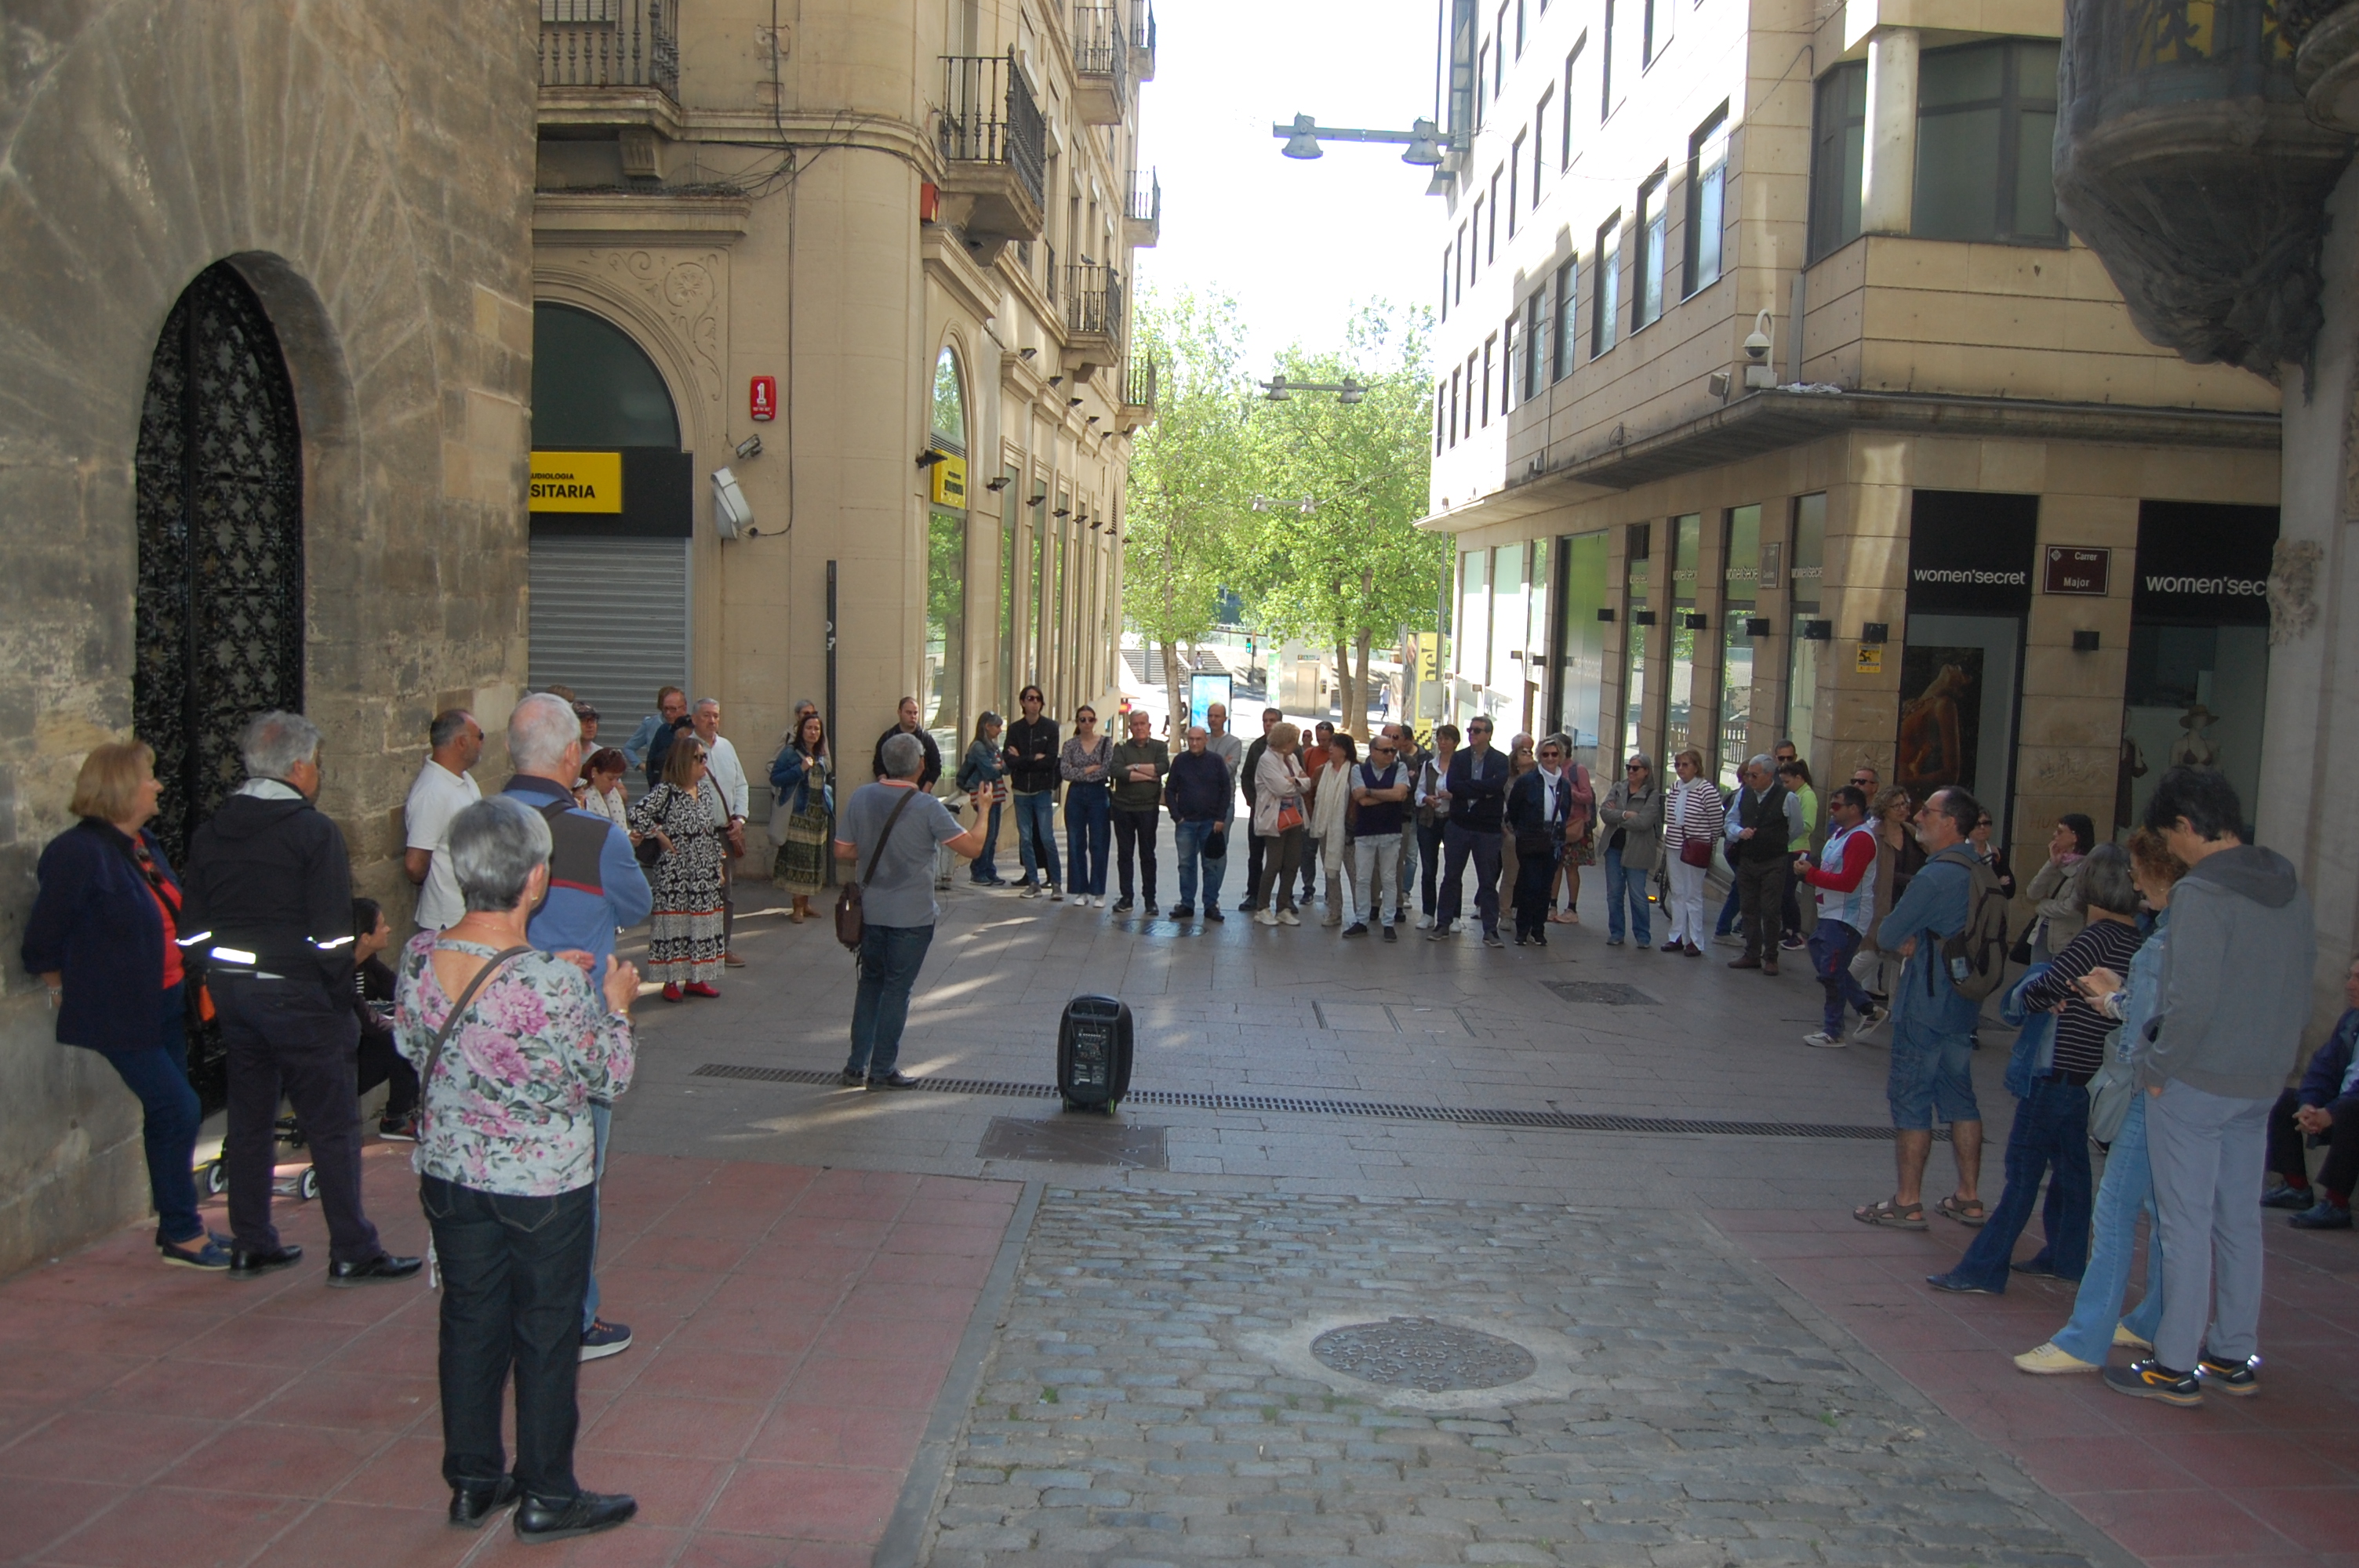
x=761 y=399
x=930 y=202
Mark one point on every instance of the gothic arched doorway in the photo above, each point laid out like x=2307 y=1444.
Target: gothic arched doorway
x=220 y=509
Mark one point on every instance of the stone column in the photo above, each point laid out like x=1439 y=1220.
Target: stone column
x=1866 y=579
x=1888 y=169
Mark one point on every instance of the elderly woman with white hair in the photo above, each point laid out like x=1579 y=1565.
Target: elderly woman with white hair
x=511 y=1047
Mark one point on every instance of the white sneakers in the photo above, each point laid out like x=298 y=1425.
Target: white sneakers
x=1265 y=917
x=1287 y=917
x=1425 y=922
x=1825 y=1041
x=2048 y=1361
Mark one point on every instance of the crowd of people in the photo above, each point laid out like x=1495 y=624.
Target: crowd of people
x=2164 y=992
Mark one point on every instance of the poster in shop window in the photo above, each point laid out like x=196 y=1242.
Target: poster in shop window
x=1940 y=717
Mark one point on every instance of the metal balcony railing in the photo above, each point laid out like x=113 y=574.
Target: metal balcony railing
x=989 y=116
x=611 y=43
x=1100 y=40
x=1094 y=301
x=1146 y=204
x=1049 y=272
x=1138 y=391
x=1142 y=33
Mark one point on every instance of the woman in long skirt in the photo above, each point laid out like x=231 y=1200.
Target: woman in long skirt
x=804 y=822
x=685 y=939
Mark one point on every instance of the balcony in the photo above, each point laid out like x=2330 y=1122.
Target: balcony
x=610 y=62
x=1142 y=47
x=2184 y=159
x=1142 y=218
x=1093 y=317
x=994 y=149
x=1139 y=396
x=1101 y=47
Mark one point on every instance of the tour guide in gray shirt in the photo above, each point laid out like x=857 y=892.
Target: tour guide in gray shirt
x=897 y=902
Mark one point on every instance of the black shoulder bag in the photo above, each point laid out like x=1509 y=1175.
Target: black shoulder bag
x=850 y=922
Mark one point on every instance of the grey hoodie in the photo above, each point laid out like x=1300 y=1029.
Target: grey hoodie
x=2235 y=979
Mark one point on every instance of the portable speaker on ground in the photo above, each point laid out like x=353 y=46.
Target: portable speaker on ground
x=1093 y=1040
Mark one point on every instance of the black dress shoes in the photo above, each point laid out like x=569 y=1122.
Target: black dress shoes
x=383 y=1269
x=246 y=1265
x=556 y=1518
x=471 y=1502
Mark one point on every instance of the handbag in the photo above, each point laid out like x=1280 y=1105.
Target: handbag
x=2112 y=1091
x=1695 y=852
x=850 y=922
x=1289 y=815
x=449 y=1026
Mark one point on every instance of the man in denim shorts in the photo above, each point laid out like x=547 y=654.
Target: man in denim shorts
x=1932 y=1035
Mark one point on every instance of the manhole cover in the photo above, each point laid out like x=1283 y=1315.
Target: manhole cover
x=1601 y=992
x=1079 y=1139
x=1419 y=1353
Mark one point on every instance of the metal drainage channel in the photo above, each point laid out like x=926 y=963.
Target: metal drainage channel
x=1556 y=1120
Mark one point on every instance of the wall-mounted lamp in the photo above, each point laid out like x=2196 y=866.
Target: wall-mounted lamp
x=1027 y=354
x=928 y=457
x=1094 y=418
x=1039 y=499
x=997 y=485
x=1818 y=630
x=1605 y=614
x=1716 y=384
x=749 y=448
x=1072 y=403
x=1757 y=626
x=1063 y=512
x=1875 y=632
x=2084 y=642
x=1056 y=381
x=1694 y=622
x=1642 y=618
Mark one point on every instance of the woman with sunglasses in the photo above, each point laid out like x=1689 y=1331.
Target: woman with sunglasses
x=1631 y=817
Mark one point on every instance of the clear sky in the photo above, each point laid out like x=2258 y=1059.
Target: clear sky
x=1297 y=242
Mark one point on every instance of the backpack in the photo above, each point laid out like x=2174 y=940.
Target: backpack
x=1976 y=955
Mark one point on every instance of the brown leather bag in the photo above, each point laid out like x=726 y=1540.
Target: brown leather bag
x=850 y=924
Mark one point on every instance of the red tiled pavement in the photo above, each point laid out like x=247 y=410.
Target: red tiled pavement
x=2278 y=1472
x=792 y=1327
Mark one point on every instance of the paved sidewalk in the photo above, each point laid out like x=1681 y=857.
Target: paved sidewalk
x=793 y=1328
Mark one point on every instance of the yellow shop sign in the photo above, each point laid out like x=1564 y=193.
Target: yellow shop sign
x=949 y=481
x=577 y=482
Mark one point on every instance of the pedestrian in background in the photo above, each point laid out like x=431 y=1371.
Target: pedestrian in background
x=1693 y=814
x=1631 y=819
x=602 y=789
x=1993 y=855
x=1330 y=812
x=908 y=724
x=802 y=814
x=380 y=1060
x=684 y=934
x=1136 y=772
x=1430 y=796
x=728 y=796
x=1317 y=752
x=1521 y=761
x=1279 y=786
x=1795 y=917
x=1538 y=807
x=2323 y=1108
x=1256 y=846
x=442 y=789
x=587 y=716
x=269 y=893
x=888 y=835
x=983 y=777
x=1197 y=794
x=1897 y=857
x=2055 y=907
x=671 y=705
x=104 y=935
x=1475 y=790
x=1380 y=809
x=1085 y=765
x=1579 y=838
x=1764 y=825
x=1411 y=758
x=1844 y=890
x=1031 y=754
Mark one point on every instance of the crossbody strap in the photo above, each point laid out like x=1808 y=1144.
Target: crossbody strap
x=459 y=1009
x=886 y=835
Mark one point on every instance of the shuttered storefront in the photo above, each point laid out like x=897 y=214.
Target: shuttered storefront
x=610 y=620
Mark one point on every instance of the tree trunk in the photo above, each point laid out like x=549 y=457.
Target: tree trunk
x=1175 y=686
x=1360 y=714
x=1350 y=724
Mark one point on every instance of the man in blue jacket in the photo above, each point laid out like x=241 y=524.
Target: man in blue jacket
x=2326 y=1106
x=1475 y=791
x=1932 y=1026
x=594 y=887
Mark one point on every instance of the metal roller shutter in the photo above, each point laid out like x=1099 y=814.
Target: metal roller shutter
x=610 y=620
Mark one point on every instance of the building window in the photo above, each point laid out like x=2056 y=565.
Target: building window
x=1481 y=70
x=1657 y=33
x=1454 y=406
x=1491 y=236
x=1707 y=201
x=1605 y=66
x=1445 y=283
x=1457 y=273
x=1560 y=343
x=1440 y=415
x=1565 y=129
x=1471 y=358
x=1507 y=365
x=1986 y=144
x=1519 y=28
x=1475 y=251
x=1838 y=157
x=1540 y=142
x=1535 y=319
x=1490 y=352
x=1499 y=54
x=1515 y=181
x=1651 y=232
x=1605 y=292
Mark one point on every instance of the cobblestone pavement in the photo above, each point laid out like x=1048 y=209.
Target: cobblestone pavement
x=1134 y=1412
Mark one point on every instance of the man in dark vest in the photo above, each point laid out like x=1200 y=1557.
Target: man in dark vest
x=1475 y=794
x=594 y=886
x=1764 y=821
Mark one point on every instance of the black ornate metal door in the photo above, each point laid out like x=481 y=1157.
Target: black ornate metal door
x=219 y=607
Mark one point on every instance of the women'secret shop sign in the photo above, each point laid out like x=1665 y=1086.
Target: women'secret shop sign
x=1971 y=552
x=2203 y=565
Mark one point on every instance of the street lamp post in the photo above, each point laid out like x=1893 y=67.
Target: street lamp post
x=1302 y=137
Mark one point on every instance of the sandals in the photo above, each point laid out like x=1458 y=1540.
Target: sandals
x=1970 y=1215
x=1892 y=1214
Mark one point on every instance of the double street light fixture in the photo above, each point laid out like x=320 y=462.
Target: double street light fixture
x=1278 y=389
x=1302 y=138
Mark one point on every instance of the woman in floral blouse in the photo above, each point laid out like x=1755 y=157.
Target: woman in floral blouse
x=506 y=1162
x=685 y=935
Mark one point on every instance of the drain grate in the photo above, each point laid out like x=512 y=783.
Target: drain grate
x=1289 y=1105
x=1603 y=993
x=1419 y=1353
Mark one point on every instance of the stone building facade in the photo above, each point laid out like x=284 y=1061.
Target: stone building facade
x=280 y=252
x=891 y=242
x=1776 y=401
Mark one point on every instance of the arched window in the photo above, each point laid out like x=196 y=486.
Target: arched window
x=593 y=387
x=943 y=685
x=950 y=405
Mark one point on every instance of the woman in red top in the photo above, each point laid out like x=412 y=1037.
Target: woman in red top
x=103 y=937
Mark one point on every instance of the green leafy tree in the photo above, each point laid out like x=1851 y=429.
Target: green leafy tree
x=1189 y=474
x=1355 y=568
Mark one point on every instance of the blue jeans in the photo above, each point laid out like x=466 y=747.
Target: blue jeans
x=1036 y=836
x=1931 y=1071
x=1728 y=911
x=602 y=1121
x=2128 y=1187
x=1191 y=836
x=890 y=957
x=158 y=1074
x=2051 y=1138
x=1624 y=885
x=1831 y=947
x=986 y=870
x=1089 y=833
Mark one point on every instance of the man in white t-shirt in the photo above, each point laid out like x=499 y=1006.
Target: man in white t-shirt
x=727 y=797
x=442 y=790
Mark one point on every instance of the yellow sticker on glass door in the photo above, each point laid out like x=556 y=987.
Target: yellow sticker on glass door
x=577 y=482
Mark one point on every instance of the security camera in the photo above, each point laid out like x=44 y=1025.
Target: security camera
x=1756 y=345
x=751 y=446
